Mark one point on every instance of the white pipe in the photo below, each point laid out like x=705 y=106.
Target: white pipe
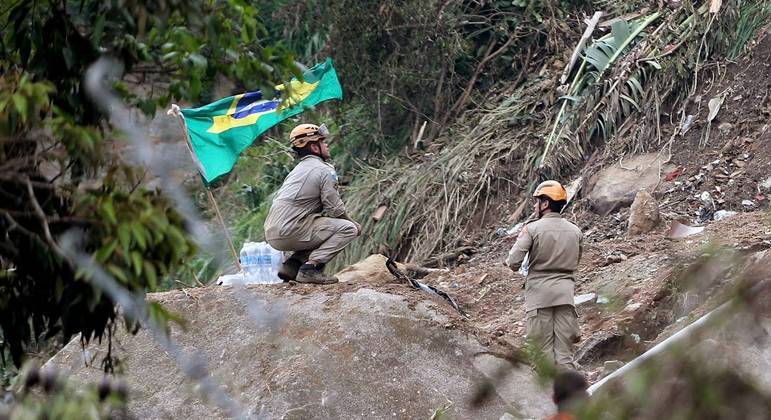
x=664 y=345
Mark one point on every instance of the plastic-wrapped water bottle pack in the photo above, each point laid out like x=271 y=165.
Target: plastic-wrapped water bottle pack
x=259 y=264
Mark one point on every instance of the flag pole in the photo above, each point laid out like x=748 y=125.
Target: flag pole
x=180 y=121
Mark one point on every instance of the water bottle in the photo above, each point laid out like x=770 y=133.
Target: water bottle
x=260 y=256
x=244 y=259
x=250 y=271
x=260 y=263
x=247 y=260
x=256 y=266
x=269 y=274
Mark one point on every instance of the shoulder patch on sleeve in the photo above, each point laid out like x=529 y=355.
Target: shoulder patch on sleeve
x=331 y=174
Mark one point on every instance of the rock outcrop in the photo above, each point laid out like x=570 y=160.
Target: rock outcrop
x=616 y=186
x=644 y=214
x=340 y=351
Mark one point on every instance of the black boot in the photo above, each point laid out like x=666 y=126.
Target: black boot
x=289 y=269
x=310 y=273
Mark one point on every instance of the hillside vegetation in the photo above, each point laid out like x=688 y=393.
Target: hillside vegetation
x=453 y=111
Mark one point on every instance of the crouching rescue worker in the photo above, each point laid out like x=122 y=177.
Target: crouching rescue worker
x=307 y=216
x=554 y=248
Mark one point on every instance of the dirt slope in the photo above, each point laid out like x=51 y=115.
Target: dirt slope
x=639 y=275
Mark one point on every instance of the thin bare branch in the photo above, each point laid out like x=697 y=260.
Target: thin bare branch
x=43 y=219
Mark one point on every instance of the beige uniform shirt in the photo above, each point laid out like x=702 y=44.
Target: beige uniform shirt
x=554 y=245
x=309 y=190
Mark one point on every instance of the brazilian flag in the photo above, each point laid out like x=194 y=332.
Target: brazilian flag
x=220 y=131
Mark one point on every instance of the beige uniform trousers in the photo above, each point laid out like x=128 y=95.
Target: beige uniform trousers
x=555 y=330
x=328 y=236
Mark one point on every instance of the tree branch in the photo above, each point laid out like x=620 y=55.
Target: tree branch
x=489 y=56
x=43 y=220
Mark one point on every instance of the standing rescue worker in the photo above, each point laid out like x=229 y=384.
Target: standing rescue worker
x=307 y=215
x=554 y=248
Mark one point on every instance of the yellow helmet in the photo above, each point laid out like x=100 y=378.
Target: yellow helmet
x=551 y=189
x=306 y=133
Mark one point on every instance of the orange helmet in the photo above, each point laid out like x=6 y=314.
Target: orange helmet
x=551 y=189
x=306 y=133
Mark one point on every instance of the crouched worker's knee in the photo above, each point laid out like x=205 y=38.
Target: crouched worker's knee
x=348 y=229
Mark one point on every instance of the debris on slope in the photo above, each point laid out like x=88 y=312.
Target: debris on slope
x=391 y=266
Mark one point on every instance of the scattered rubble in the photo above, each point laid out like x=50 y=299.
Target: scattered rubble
x=613 y=258
x=707 y=209
x=633 y=307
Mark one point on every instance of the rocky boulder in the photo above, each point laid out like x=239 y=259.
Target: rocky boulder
x=644 y=214
x=371 y=268
x=295 y=351
x=615 y=187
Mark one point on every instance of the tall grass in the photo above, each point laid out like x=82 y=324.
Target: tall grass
x=438 y=201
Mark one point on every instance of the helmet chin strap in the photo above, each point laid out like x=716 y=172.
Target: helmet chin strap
x=539 y=211
x=318 y=154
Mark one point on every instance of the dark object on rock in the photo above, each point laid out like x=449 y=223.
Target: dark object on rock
x=391 y=266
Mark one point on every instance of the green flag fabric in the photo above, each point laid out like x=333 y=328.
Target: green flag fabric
x=220 y=131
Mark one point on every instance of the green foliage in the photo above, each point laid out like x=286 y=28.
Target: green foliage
x=136 y=224
x=58 y=168
x=58 y=40
x=679 y=386
x=598 y=58
x=401 y=66
x=415 y=62
x=752 y=16
x=47 y=394
x=605 y=51
x=220 y=38
x=437 y=202
x=358 y=138
x=301 y=26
